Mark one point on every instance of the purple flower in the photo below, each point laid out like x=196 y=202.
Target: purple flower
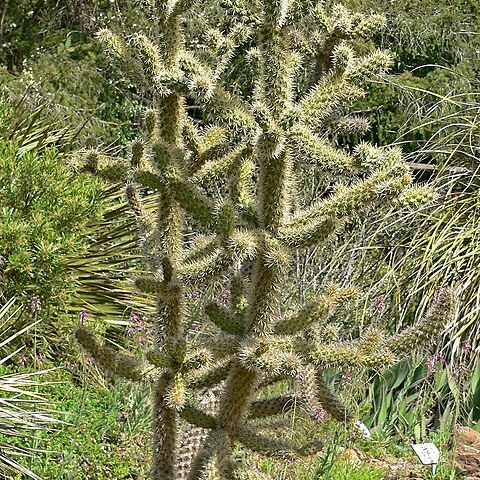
x=346 y=379
x=35 y=304
x=41 y=358
x=353 y=435
x=194 y=295
x=68 y=366
x=467 y=346
x=439 y=291
x=457 y=374
x=225 y=299
x=133 y=327
x=83 y=316
x=432 y=363
x=379 y=303
x=196 y=327
x=138 y=326
x=300 y=377
x=319 y=416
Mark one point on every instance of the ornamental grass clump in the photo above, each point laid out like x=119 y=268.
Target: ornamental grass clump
x=231 y=179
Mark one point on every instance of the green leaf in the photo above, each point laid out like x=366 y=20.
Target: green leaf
x=475 y=382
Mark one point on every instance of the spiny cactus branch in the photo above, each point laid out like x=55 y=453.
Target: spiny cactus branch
x=232 y=179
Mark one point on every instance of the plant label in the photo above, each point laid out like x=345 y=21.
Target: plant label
x=427 y=453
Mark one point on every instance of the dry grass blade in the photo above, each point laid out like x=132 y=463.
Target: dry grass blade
x=443 y=246
x=31 y=130
x=110 y=258
x=22 y=408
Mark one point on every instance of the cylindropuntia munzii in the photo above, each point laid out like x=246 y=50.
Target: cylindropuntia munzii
x=232 y=179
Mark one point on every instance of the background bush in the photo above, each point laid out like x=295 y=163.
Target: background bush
x=429 y=105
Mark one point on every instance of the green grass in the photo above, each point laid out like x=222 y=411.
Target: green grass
x=107 y=436
x=344 y=469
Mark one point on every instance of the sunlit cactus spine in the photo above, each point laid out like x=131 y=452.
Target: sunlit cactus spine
x=233 y=180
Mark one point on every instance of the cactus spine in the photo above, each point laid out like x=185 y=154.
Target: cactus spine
x=251 y=151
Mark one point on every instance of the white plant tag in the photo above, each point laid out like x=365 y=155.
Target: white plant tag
x=363 y=429
x=428 y=454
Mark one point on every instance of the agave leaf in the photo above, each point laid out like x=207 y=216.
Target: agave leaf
x=475 y=381
x=400 y=376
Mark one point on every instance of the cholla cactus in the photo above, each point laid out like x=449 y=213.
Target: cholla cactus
x=232 y=180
